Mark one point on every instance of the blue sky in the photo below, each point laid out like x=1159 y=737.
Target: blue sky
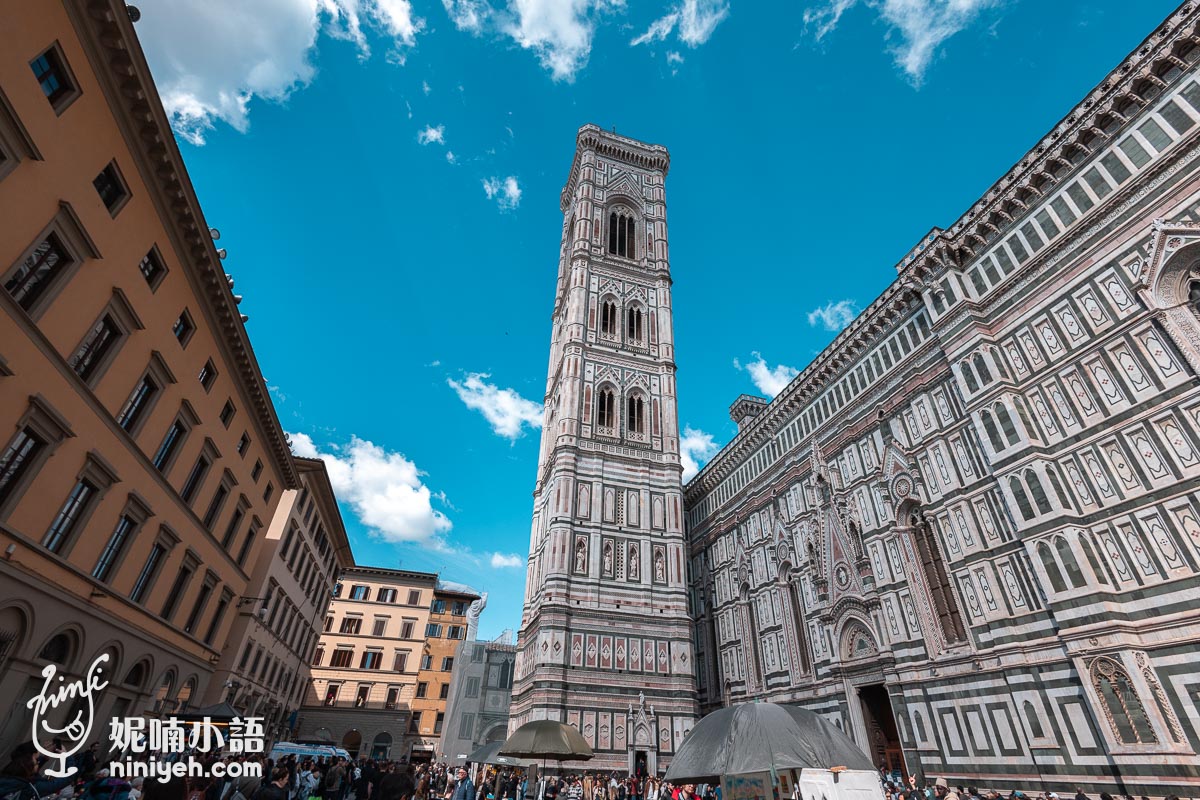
x=386 y=178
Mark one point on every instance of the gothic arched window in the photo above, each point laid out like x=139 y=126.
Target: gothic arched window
x=633 y=324
x=1194 y=296
x=1122 y=706
x=606 y=409
x=1018 y=490
x=944 y=601
x=1067 y=556
x=635 y=414
x=608 y=318
x=1090 y=552
x=1057 y=583
x=1038 y=492
x=993 y=433
x=1035 y=725
x=620 y=234
x=969 y=376
x=1006 y=424
x=985 y=375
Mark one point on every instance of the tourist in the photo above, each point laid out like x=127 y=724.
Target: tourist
x=463 y=788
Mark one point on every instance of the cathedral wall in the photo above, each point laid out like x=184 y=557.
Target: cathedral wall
x=969 y=533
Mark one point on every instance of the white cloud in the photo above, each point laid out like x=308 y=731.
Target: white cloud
x=833 y=316
x=453 y=159
x=674 y=58
x=212 y=57
x=426 y=88
x=430 y=134
x=769 y=380
x=921 y=26
x=468 y=15
x=695 y=449
x=558 y=31
x=384 y=490
x=506 y=193
x=501 y=560
x=506 y=411
x=693 y=21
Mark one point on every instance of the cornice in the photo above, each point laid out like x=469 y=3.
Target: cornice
x=120 y=65
x=612 y=145
x=323 y=490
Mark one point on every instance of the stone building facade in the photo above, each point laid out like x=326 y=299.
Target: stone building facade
x=480 y=693
x=141 y=459
x=444 y=632
x=364 y=670
x=969 y=532
x=264 y=668
x=606 y=616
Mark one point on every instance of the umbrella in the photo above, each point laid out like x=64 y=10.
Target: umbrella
x=547 y=739
x=489 y=754
x=762 y=737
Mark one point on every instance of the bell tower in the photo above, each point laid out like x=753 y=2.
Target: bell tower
x=606 y=636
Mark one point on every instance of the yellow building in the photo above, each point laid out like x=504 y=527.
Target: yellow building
x=444 y=632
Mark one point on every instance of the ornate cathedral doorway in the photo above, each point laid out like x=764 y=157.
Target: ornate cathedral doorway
x=884 y=740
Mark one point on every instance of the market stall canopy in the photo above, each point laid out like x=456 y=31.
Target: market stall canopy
x=547 y=739
x=490 y=754
x=760 y=737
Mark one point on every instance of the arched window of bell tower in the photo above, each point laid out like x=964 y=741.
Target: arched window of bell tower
x=621 y=238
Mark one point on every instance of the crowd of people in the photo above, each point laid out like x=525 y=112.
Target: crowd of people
x=292 y=778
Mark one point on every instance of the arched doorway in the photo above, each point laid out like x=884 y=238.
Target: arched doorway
x=352 y=742
x=323 y=734
x=382 y=746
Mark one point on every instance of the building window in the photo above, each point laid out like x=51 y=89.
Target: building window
x=1126 y=714
x=328 y=624
x=243 y=445
x=67 y=519
x=433 y=630
x=459 y=608
x=414 y=723
x=633 y=324
x=438 y=606
x=111 y=188
x=443 y=691
x=472 y=688
x=195 y=478
x=227 y=413
x=944 y=602
x=393 y=698
x=215 y=506
x=218 y=615
x=608 y=318
x=406 y=629
x=245 y=551
x=439 y=721
x=235 y=522
x=387 y=596
x=422 y=690
x=183 y=328
x=426 y=662
x=99 y=343
x=208 y=374
x=201 y=602
x=17 y=460
x=455 y=632
x=400 y=664
x=152 y=269
x=270 y=490
x=620 y=233
x=343 y=657
x=331 y=693
x=111 y=555
x=50 y=71
x=351 y=625
x=170 y=446
x=371 y=659
x=414 y=597
x=379 y=627
x=317 y=656
x=364 y=694
x=182 y=579
x=635 y=412
x=29 y=281
x=136 y=406
x=606 y=416
x=145 y=578
x=359 y=592
x=447 y=663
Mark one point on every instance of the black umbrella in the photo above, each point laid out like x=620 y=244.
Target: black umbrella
x=490 y=754
x=547 y=739
x=762 y=737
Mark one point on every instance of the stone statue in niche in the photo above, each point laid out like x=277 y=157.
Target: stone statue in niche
x=633 y=562
x=660 y=568
x=581 y=556
x=608 y=558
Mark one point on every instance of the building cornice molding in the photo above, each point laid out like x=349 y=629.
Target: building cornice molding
x=612 y=145
x=120 y=66
x=330 y=512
